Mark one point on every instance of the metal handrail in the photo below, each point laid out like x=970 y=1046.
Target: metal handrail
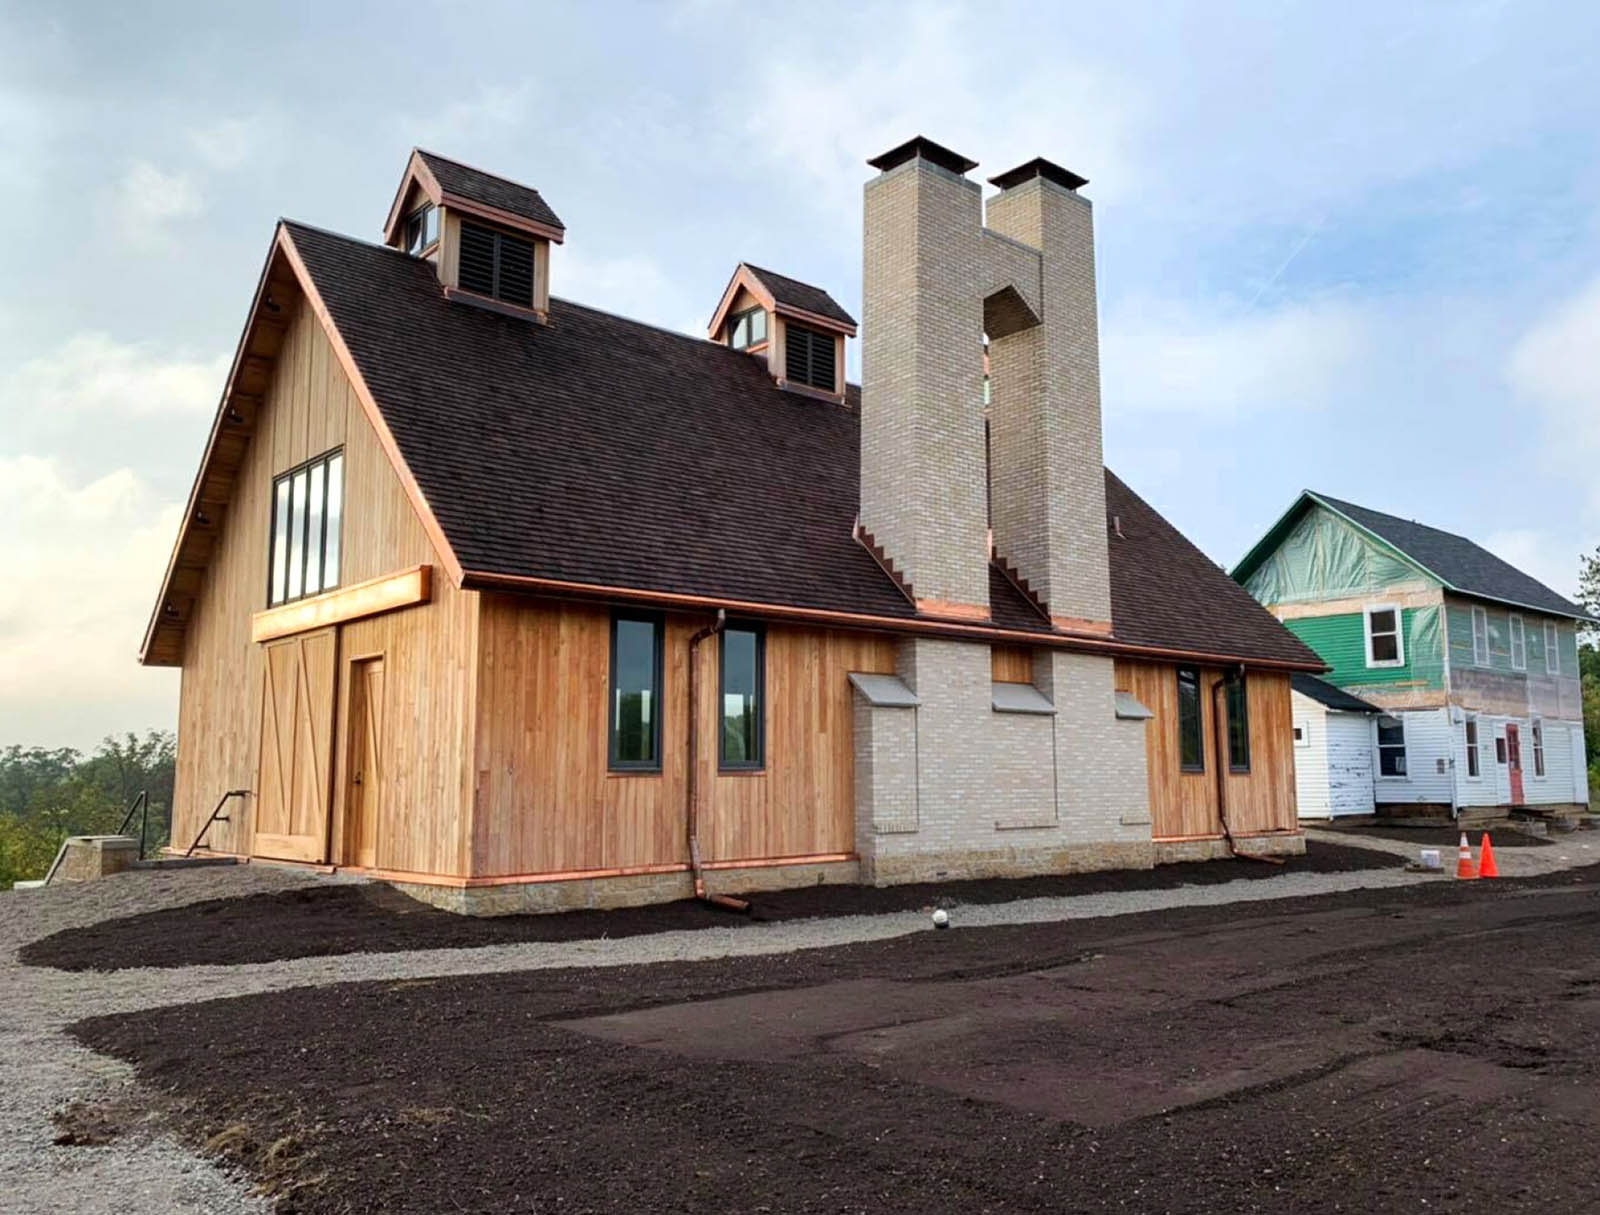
x=140 y=803
x=216 y=817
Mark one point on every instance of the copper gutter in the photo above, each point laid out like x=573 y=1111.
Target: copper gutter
x=692 y=810
x=481 y=580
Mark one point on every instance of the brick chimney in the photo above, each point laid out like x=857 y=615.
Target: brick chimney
x=922 y=457
x=1047 y=470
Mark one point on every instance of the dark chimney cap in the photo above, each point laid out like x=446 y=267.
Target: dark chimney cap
x=931 y=152
x=1039 y=167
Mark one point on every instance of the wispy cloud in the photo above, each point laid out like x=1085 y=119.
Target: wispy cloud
x=146 y=201
x=1555 y=368
x=94 y=374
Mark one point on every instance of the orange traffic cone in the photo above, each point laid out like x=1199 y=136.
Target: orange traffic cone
x=1486 y=866
x=1465 y=869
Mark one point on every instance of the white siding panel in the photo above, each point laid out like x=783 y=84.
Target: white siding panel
x=1430 y=749
x=1311 y=760
x=1484 y=789
x=1554 y=788
x=1351 y=763
x=1580 y=767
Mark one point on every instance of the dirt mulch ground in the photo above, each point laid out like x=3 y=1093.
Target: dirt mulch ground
x=1443 y=837
x=318 y=921
x=1424 y=1048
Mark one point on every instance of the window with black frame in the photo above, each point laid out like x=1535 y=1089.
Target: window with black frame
x=307 y=518
x=1191 y=722
x=422 y=229
x=742 y=704
x=747 y=329
x=1391 y=746
x=634 y=725
x=1238 y=702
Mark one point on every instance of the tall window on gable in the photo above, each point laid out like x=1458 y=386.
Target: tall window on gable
x=422 y=229
x=808 y=357
x=496 y=264
x=307 y=514
x=1552 y=648
x=1238 y=701
x=742 y=705
x=635 y=725
x=1480 y=637
x=1191 y=722
x=1385 y=648
x=1391 y=746
x=747 y=329
x=1519 y=644
x=1474 y=759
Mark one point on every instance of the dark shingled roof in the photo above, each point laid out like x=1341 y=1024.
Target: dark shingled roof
x=1165 y=592
x=792 y=293
x=603 y=451
x=1325 y=693
x=477 y=186
x=1457 y=561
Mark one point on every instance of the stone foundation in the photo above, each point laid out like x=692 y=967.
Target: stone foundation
x=87 y=857
x=634 y=890
x=1172 y=852
x=1015 y=862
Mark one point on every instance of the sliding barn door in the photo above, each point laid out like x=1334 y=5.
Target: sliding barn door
x=291 y=811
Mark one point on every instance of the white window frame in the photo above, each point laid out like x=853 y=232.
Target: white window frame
x=1472 y=735
x=1399 y=660
x=1378 y=749
x=1480 y=620
x=1517 y=633
x=1302 y=733
x=1552 y=648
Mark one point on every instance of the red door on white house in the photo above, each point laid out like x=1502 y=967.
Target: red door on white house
x=1514 y=762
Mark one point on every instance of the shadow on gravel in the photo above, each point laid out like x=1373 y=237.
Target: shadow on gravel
x=318 y=921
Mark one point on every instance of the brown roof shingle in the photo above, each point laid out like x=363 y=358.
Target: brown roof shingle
x=603 y=451
x=792 y=293
x=477 y=186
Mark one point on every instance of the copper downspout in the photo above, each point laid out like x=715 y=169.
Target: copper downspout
x=1218 y=712
x=693 y=809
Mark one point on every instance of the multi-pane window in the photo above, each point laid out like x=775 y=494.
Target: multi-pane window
x=307 y=513
x=1391 y=746
x=496 y=264
x=1538 y=748
x=1480 y=637
x=747 y=329
x=808 y=357
x=1384 y=646
x=1552 y=648
x=635 y=710
x=1474 y=760
x=1238 y=702
x=1191 y=722
x=1519 y=644
x=741 y=704
x=422 y=229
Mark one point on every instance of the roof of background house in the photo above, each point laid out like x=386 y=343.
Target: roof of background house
x=792 y=293
x=1325 y=693
x=603 y=451
x=477 y=186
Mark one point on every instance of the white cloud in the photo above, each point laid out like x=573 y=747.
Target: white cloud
x=93 y=374
x=89 y=555
x=1166 y=359
x=474 y=121
x=146 y=200
x=635 y=287
x=228 y=143
x=1555 y=368
x=1539 y=554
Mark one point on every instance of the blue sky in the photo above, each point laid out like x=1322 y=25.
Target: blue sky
x=1353 y=247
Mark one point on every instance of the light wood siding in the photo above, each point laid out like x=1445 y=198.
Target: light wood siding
x=1185 y=803
x=546 y=802
x=310 y=407
x=1011 y=664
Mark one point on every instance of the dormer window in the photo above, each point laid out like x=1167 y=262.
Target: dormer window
x=422 y=229
x=496 y=264
x=808 y=357
x=747 y=329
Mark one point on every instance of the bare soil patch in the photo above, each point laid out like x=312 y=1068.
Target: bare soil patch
x=317 y=921
x=1442 y=837
x=1422 y=1048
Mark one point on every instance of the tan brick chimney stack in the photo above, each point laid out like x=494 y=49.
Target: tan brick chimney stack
x=922 y=453
x=1047 y=473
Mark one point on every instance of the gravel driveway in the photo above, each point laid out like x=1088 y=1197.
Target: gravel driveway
x=144 y=1170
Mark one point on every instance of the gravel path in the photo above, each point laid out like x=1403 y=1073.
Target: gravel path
x=1567 y=852
x=146 y=1171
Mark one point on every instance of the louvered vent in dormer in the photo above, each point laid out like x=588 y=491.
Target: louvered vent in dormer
x=496 y=264
x=809 y=357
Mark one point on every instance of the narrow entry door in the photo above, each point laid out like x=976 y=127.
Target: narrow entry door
x=291 y=810
x=1514 y=763
x=366 y=763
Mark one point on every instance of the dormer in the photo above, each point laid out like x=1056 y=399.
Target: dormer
x=798 y=329
x=488 y=238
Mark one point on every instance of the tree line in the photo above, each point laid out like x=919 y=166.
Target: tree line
x=47 y=794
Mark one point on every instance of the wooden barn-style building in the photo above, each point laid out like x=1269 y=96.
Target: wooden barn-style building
x=523 y=605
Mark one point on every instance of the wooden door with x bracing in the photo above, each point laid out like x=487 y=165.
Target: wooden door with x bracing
x=365 y=739
x=295 y=772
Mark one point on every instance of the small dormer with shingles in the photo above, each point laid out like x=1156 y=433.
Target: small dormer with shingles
x=799 y=329
x=488 y=238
